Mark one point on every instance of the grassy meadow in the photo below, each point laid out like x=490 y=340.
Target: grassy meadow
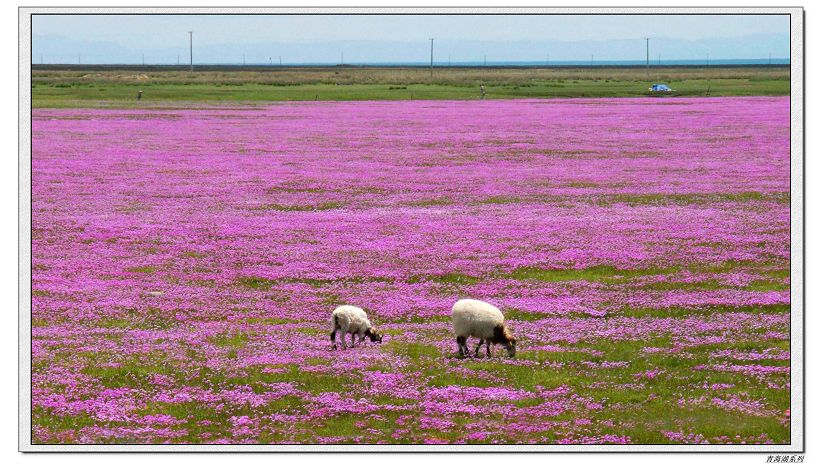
x=118 y=88
x=188 y=249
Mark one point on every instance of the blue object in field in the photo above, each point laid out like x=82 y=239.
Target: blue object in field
x=660 y=88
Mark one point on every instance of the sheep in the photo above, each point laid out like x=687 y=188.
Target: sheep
x=353 y=320
x=473 y=318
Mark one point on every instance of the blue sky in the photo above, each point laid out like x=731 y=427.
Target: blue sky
x=108 y=37
x=159 y=30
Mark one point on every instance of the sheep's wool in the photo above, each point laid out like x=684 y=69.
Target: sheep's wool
x=473 y=318
x=352 y=318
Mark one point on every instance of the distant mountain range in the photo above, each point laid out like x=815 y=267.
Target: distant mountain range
x=58 y=49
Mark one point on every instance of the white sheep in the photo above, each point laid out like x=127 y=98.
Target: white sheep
x=353 y=320
x=473 y=318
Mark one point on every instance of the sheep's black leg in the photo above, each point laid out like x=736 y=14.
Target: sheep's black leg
x=462 y=349
x=334 y=339
x=479 y=345
x=353 y=336
x=488 y=348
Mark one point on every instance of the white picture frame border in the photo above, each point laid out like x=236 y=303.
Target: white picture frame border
x=797 y=322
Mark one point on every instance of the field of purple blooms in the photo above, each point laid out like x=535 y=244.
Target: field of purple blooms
x=185 y=263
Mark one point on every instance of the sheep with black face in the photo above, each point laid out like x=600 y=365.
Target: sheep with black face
x=351 y=319
x=473 y=318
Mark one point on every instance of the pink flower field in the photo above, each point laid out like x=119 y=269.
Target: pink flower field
x=185 y=263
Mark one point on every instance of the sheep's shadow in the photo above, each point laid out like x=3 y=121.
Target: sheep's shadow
x=467 y=356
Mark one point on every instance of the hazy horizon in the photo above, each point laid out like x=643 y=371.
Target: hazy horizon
x=363 y=39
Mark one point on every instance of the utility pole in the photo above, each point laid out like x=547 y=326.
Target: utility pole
x=707 y=55
x=270 y=62
x=647 y=59
x=144 y=59
x=281 y=60
x=432 y=57
x=547 y=59
x=178 y=59
x=78 y=58
x=592 y=60
x=485 y=60
x=191 y=51
x=660 y=60
x=449 y=59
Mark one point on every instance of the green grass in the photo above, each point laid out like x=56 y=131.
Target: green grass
x=441 y=378
x=46 y=418
x=442 y=201
x=147 y=318
x=634 y=410
x=691 y=198
x=300 y=208
x=119 y=89
x=451 y=278
x=413 y=351
x=598 y=273
x=518 y=314
x=143 y=269
x=682 y=312
x=130 y=374
x=123 y=94
x=641 y=408
x=256 y=283
x=608 y=274
x=502 y=200
x=264 y=284
x=230 y=340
